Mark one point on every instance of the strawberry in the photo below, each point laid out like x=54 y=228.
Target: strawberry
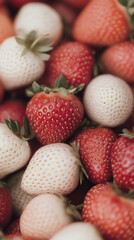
x=112 y=214
x=16 y=236
x=39 y=17
x=5 y=205
x=77 y=3
x=102 y=23
x=73 y=59
x=15 y=152
x=54 y=114
x=78 y=231
x=54 y=168
x=108 y=100
x=44 y=216
x=6 y=26
x=19 y=198
x=122 y=161
x=14 y=227
x=96 y=155
x=22 y=60
x=12 y=109
x=118 y=60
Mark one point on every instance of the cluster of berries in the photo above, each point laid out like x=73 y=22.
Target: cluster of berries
x=66 y=94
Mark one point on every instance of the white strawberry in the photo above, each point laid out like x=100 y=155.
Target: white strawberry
x=19 y=198
x=14 y=152
x=21 y=64
x=39 y=17
x=108 y=100
x=53 y=169
x=78 y=231
x=44 y=216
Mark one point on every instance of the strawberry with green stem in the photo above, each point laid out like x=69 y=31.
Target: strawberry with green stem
x=106 y=22
x=39 y=17
x=94 y=147
x=54 y=114
x=111 y=212
x=22 y=59
x=46 y=214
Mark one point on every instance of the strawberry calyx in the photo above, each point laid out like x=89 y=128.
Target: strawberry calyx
x=72 y=210
x=24 y=132
x=120 y=192
x=83 y=173
x=2 y=184
x=127 y=133
x=60 y=87
x=39 y=46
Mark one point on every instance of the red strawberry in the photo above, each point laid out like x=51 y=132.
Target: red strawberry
x=5 y=206
x=12 y=109
x=95 y=152
x=102 y=23
x=14 y=227
x=77 y=3
x=119 y=60
x=112 y=214
x=54 y=116
x=74 y=60
x=122 y=161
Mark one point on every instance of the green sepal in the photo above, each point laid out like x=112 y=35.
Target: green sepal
x=71 y=209
x=20 y=41
x=60 y=86
x=83 y=173
x=13 y=126
x=3 y=185
x=61 y=81
x=127 y=133
x=120 y=192
x=23 y=132
x=38 y=46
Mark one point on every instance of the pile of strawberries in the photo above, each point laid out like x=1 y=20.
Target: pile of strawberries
x=67 y=120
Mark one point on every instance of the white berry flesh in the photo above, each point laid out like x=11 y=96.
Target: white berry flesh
x=43 y=217
x=53 y=169
x=16 y=70
x=41 y=18
x=14 y=152
x=78 y=231
x=108 y=100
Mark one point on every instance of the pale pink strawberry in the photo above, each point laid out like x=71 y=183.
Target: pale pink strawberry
x=43 y=217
